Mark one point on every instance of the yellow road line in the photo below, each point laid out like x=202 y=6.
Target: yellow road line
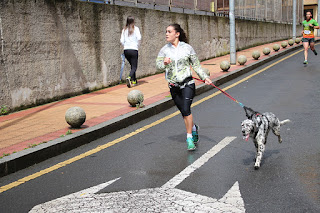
x=244 y=79
x=99 y=148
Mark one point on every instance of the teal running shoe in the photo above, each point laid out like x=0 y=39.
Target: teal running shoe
x=305 y=62
x=191 y=145
x=195 y=135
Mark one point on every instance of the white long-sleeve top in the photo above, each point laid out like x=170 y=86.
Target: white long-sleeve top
x=130 y=42
x=181 y=58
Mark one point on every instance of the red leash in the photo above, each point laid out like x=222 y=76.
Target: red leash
x=229 y=96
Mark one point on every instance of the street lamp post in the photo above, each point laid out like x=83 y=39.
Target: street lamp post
x=294 y=19
x=232 y=33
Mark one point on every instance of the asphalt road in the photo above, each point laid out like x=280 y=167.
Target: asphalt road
x=288 y=180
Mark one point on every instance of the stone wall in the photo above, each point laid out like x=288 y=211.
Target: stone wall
x=58 y=48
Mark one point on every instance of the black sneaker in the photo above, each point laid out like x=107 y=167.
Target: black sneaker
x=128 y=80
x=315 y=52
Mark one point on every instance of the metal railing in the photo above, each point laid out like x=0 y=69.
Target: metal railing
x=262 y=10
x=267 y=10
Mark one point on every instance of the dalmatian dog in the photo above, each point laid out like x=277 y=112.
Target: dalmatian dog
x=257 y=126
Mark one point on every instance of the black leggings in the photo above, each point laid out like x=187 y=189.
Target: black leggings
x=183 y=98
x=132 y=57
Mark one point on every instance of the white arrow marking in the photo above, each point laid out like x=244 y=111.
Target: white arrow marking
x=176 y=180
x=163 y=199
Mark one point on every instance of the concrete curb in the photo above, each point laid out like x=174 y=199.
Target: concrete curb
x=31 y=156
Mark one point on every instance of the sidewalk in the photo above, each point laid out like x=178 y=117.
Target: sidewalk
x=46 y=124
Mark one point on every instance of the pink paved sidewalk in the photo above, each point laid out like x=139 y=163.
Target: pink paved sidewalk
x=26 y=128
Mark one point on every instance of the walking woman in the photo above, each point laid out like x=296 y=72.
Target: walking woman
x=130 y=39
x=175 y=58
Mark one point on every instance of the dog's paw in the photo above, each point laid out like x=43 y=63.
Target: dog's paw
x=257 y=165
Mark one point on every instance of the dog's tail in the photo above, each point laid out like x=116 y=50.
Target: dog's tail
x=284 y=122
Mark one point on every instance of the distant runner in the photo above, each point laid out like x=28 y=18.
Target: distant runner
x=308 y=35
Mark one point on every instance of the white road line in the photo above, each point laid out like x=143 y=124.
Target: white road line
x=176 y=180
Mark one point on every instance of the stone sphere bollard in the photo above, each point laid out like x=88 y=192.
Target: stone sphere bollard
x=225 y=65
x=276 y=47
x=291 y=42
x=135 y=98
x=284 y=44
x=75 y=117
x=242 y=59
x=266 y=50
x=297 y=40
x=256 y=55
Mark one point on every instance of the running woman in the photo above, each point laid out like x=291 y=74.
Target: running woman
x=308 y=35
x=175 y=59
x=130 y=39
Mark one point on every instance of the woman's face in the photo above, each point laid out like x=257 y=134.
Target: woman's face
x=171 y=34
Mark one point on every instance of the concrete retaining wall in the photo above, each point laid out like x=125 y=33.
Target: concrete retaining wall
x=58 y=48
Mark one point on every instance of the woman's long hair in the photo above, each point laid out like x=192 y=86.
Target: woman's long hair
x=183 y=36
x=130 y=25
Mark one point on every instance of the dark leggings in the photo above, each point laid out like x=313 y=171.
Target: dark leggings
x=132 y=57
x=183 y=98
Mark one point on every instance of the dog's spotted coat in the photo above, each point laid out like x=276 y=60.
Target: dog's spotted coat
x=258 y=126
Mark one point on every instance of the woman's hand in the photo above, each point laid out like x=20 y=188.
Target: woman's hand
x=207 y=81
x=166 y=61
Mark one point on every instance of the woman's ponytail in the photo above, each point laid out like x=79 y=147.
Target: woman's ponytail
x=183 y=36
